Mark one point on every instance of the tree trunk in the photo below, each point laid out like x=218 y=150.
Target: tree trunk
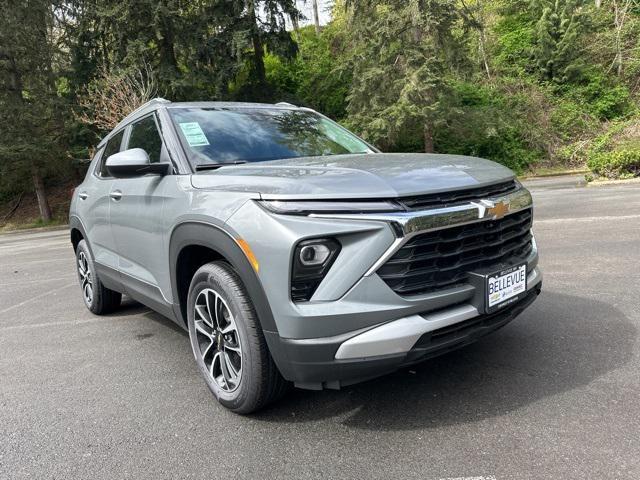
x=165 y=39
x=479 y=24
x=296 y=27
x=258 y=49
x=483 y=52
x=316 y=17
x=295 y=23
x=258 y=58
x=428 y=137
x=618 y=62
x=620 y=12
x=14 y=88
x=41 y=194
x=167 y=52
x=166 y=44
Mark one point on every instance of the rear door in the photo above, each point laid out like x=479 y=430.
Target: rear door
x=136 y=216
x=94 y=205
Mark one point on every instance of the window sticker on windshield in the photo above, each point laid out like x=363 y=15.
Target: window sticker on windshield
x=194 y=134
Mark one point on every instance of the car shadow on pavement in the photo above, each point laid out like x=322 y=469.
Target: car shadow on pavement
x=131 y=307
x=560 y=343
x=128 y=307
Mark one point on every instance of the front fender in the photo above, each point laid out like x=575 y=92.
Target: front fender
x=223 y=242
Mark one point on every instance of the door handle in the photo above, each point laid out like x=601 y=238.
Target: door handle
x=116 y=195
x=83 y=195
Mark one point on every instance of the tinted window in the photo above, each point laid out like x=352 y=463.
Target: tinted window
x=113 y=146
x=144 y=134
x=223 y=135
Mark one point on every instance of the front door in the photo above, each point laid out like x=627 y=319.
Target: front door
x=94 y=207
x=136 y=219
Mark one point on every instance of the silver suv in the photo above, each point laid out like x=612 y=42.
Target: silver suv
x=293 y=251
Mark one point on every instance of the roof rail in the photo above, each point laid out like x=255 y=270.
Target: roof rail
x=133 y=113
x=149 y=103
x=285 y=104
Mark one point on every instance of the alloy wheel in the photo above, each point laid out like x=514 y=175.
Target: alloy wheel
x=86 y=282
x=218 y=339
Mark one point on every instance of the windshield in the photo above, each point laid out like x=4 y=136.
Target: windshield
x=237 y=135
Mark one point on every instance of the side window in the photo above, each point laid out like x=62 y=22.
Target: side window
x=144 y=134
x=113 y=146
x=96 y=161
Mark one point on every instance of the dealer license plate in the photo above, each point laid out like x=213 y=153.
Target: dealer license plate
x=505 y=286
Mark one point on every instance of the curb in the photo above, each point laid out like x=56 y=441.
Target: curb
x=35 y=230
x=555 y=182
x=603 y=183
x=555 y=174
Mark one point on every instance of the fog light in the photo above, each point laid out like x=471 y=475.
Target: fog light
x=314 y=254
x=312 y=259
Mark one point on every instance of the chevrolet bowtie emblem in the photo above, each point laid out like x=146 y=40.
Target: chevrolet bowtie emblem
x=492 y=210
x=498 y=210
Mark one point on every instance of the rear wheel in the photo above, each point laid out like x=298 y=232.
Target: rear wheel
x=97 y=298
x=228 y=343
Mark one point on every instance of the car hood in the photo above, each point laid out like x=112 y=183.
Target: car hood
x=376 y=175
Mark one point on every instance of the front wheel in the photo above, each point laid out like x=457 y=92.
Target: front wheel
x=228 y=343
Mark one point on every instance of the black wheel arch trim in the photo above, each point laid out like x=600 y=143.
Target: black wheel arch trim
x=211 y=236
x=76 y=224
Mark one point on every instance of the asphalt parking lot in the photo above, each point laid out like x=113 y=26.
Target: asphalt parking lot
x=555 y=394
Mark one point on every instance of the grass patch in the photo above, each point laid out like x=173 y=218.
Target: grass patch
x=39 y=223
x=618 y=164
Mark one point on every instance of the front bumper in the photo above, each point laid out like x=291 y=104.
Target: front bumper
x=355 y=326
x=347 y=359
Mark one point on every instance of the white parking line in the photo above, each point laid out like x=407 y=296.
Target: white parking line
x=33 y=262
x=37 y=280
x=63 y=323
x=481 y=477
x=587 y=219
x=31 y=299
x=22 y=248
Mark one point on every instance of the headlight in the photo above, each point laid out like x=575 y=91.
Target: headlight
x=306 y=207
x=312 y=259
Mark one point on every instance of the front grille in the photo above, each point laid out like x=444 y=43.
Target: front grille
x=442 y=259
x=450 y=198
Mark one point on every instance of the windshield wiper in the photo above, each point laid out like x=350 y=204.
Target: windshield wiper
x=214 y=166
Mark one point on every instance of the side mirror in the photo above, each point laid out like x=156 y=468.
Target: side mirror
x=134 y=163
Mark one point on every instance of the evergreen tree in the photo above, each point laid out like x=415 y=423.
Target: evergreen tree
x=31 y=125
x=557 y=52
x=400 y=49
x=258 y=26
x=195 y=49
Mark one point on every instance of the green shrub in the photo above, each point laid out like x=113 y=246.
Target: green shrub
x=570 y=119
x=497 y=142
x=601 y=96
x=514 y=43
x=623 y=163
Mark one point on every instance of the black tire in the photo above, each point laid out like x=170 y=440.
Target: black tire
x=260 y=382
x=101 y=300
